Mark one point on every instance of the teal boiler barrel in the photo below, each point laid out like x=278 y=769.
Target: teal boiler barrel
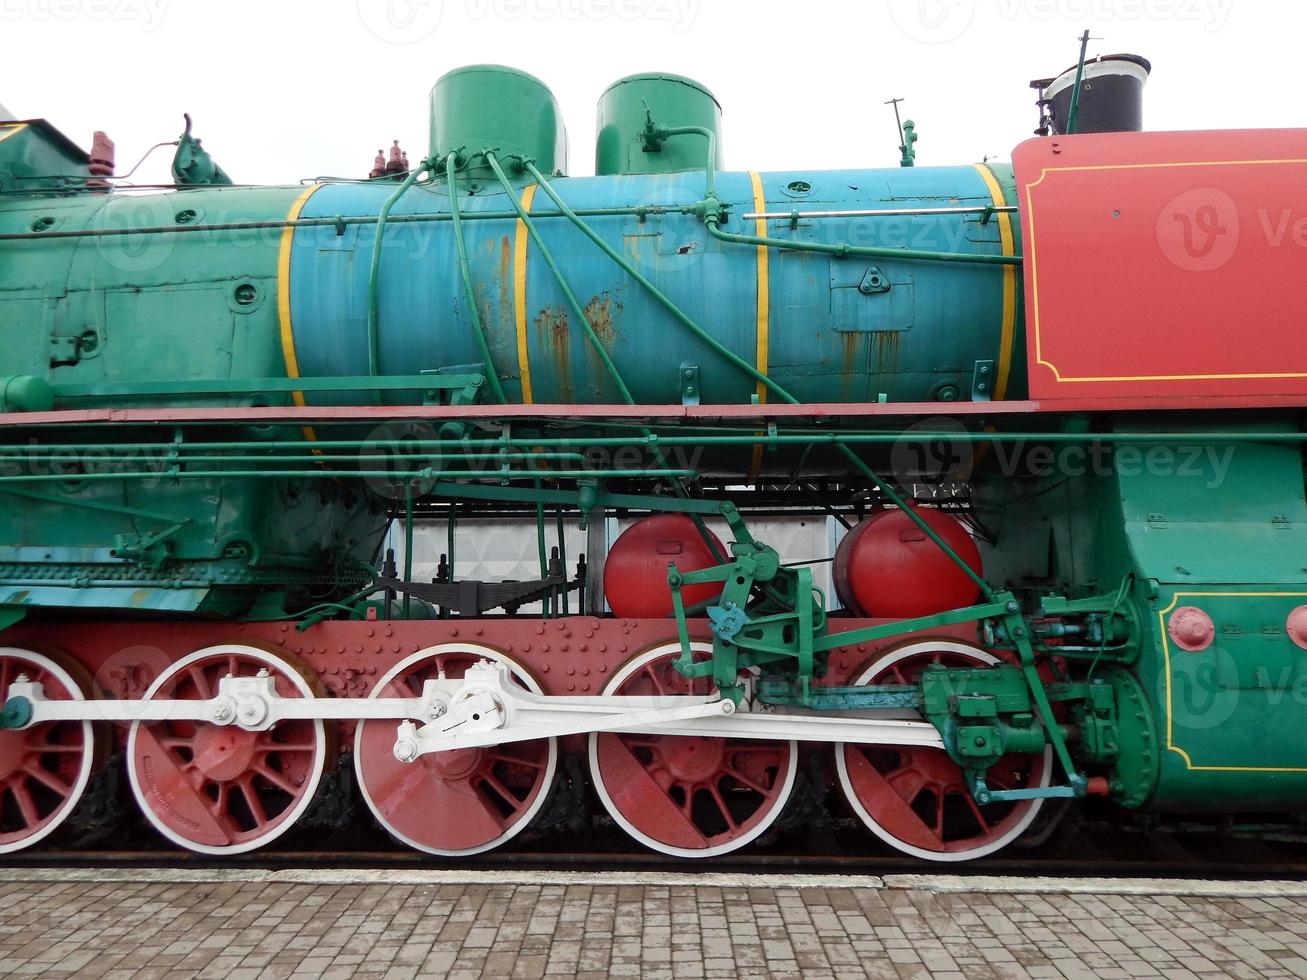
x=826 y=328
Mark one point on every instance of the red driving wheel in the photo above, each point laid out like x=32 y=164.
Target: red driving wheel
x=684 y=795
x=456 y=803
x=220 y=789
x=43 y=769
x=914 y=798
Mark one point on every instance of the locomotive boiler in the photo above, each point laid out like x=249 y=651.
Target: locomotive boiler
x=1051 y=408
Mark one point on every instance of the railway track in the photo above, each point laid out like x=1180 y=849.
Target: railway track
x=1229 y=869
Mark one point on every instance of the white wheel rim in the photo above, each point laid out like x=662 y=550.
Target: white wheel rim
x=88 y=748
x=519 y=674
x=287 y=819
x=846 y=784
x=787 y=783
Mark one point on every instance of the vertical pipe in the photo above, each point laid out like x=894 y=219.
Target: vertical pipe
x=562 y=553
x=465 y=268
x=452 y=538
x=408 y=546
x=374 y=274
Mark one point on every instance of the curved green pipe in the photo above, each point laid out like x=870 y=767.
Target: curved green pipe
x=577 y=310
x=478 y=328
x=374 y=273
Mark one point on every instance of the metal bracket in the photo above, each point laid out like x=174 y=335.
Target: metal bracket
x=875 y=281
x=690 y=390
x=982 y=382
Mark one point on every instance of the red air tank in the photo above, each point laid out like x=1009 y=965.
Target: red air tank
x=888 y=568
x=635 y=572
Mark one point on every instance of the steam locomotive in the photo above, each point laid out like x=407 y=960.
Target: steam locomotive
x=1051 y=412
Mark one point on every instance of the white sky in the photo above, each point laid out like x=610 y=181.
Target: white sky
x=286 y=89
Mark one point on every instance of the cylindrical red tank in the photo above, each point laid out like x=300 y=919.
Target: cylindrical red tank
x=635 y=572
x=887 y=567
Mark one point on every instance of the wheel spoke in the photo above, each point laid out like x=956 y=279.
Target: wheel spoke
x=49 y=780
x=502 y=791
x=722 y=807
x=976 y=812
x=201 y=682
x=277 y=779
x=252 y=800
x=45 y=748
x=744 y=780
x=514 y=760
x=26 y=805
x=655 y=680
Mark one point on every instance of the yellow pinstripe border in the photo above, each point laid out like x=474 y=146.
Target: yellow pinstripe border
x=763 y=300
x=1166 y=657
x=283 y=300
x=521 y=242
x=1034 y=276
x=1007 y=239
x=10 y=129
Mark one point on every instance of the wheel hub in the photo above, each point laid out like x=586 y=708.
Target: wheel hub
x=457 y=764
x=692 y=759
x=224 y=753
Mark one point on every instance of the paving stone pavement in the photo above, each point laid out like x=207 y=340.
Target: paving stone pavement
x=242 y=930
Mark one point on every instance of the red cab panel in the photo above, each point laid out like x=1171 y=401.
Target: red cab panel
x=1165 y=265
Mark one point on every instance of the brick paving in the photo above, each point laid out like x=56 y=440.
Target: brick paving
x=242 y=930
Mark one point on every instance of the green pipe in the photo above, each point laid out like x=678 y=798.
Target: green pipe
x=73 y=452
x=1073 y=116
x=753 y=372
x=712 y=218
x=322 y=474
x=315 y=457
x=644 y=281
x=338 y=221
x=860 y=251
x=374 y=272
x=710 y=172
x=478 y=328
x=577 y=310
